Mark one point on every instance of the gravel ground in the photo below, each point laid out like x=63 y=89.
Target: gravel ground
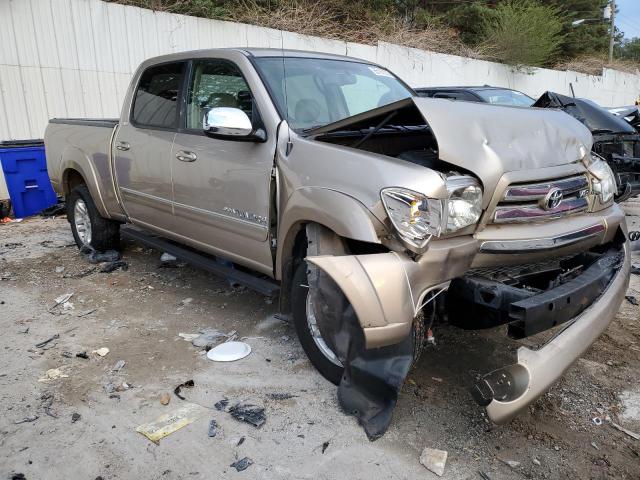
x=87 y=430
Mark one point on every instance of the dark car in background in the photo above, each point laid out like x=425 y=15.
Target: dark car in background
x=483 y=94
x=614 y=137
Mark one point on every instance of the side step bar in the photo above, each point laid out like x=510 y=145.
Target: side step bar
x=265 y=286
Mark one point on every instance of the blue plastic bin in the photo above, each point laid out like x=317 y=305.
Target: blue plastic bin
x=25 y=172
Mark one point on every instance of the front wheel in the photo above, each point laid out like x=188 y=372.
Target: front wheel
x=320 y=354
x=89 y=228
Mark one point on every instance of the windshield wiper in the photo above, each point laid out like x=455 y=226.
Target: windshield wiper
x=377 y=127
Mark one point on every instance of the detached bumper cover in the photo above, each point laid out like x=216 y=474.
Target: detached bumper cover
x=510 y=389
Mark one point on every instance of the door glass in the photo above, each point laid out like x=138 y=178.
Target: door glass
x=156 y=100
x=216 y=83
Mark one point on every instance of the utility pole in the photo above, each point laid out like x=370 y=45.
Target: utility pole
x=613 y=29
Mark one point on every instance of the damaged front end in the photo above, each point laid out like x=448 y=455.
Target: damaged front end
x=614 y=139
x=446 y=207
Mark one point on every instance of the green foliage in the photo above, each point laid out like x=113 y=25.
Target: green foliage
x=523 y=33
x=629 y=50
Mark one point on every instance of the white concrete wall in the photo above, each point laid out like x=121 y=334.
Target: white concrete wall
x=74 y=58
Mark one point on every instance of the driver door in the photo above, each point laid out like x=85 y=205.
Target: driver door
x=221 y=187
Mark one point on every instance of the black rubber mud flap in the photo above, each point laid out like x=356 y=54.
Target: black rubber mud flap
x=372 y=378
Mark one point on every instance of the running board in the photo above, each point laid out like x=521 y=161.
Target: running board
x=265 y=286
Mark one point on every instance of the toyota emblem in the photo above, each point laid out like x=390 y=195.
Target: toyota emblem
x=552 y=199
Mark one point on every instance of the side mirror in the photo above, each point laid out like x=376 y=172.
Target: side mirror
x=230 y=124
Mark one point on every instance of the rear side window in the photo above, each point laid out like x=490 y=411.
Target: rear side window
x=156 y=100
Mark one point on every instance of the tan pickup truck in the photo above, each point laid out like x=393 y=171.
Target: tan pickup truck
x=373 y=214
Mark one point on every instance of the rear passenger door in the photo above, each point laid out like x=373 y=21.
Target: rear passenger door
x=142 y=147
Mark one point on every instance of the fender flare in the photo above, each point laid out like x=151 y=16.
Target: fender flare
x=75 y=159
x=341 y=213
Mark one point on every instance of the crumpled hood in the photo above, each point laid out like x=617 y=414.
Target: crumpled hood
x=490 y=140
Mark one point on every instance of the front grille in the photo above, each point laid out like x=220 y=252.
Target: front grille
x=542 y=201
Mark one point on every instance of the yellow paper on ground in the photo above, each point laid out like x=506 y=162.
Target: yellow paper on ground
x=170 y=422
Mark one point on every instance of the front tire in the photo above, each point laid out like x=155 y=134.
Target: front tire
x=89 y=228
x=320 y=354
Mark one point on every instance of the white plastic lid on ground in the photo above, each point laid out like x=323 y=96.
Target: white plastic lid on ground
x=229 y=352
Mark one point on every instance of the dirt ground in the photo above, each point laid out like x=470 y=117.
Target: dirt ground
x=138 y=314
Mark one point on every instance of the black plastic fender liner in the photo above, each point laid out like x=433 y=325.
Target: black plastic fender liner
x=372 y=378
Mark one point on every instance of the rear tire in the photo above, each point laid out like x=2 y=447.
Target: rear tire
x=87 y=225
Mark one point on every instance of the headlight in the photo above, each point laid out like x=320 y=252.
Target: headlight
x=415 y=217
x=464 y=205
x=604 y=183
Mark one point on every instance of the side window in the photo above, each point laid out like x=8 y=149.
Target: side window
x=216 y=83
x=156 y=100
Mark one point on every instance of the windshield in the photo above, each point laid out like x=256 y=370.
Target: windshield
x=505 y=96
x=319 y=92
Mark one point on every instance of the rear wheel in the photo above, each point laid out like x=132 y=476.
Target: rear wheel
x=89 y=228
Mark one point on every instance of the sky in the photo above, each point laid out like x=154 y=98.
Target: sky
x=628 y=17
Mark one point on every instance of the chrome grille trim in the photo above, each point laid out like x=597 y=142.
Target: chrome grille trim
x=541 y=244
x=527 y=213
x=528 y=202
x=536 y=191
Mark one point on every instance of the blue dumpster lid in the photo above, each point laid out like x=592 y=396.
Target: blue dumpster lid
x=34 y=142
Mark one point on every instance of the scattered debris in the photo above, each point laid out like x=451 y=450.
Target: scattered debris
x=222 y=404
x=632 y=300
x=61 y=300
x=29 y=419
x=242 y=464
x=170 y=422
x=536 y=461
x=112 y=266
x=208 y=338
x=47 y=402
x=59 y=269
x=165 y=398
x=597 y=421
x=53 y=374
x=325 y=445
x=120 y=387
x=229 y=352
x=484 y=475
x=25 y=331
x=67 y=354
x=213 y=428
x=512 y=463
x=249 y=413
x=185 y=301
x=101 y=351
x=240 y=442
x=75 y=417
x=187 y=384
x=593 y=444
x=94 y=257
x=86 y=312
x=625 y=430
x=434 y=460
x=167 y=257
x=189 y=337
x=280 y=396
x=118 y=366
x=44 y=342
x=82 y=355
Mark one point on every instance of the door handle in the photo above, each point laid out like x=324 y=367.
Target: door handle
x=185 y=156
x=124 y=146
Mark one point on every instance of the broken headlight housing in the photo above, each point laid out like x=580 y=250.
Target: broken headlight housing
x=464 y=205
x=417 y=218
x=603 y=182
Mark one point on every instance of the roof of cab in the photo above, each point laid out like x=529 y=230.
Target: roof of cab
x=252 y=52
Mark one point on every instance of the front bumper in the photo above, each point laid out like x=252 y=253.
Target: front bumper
x=516 y=386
